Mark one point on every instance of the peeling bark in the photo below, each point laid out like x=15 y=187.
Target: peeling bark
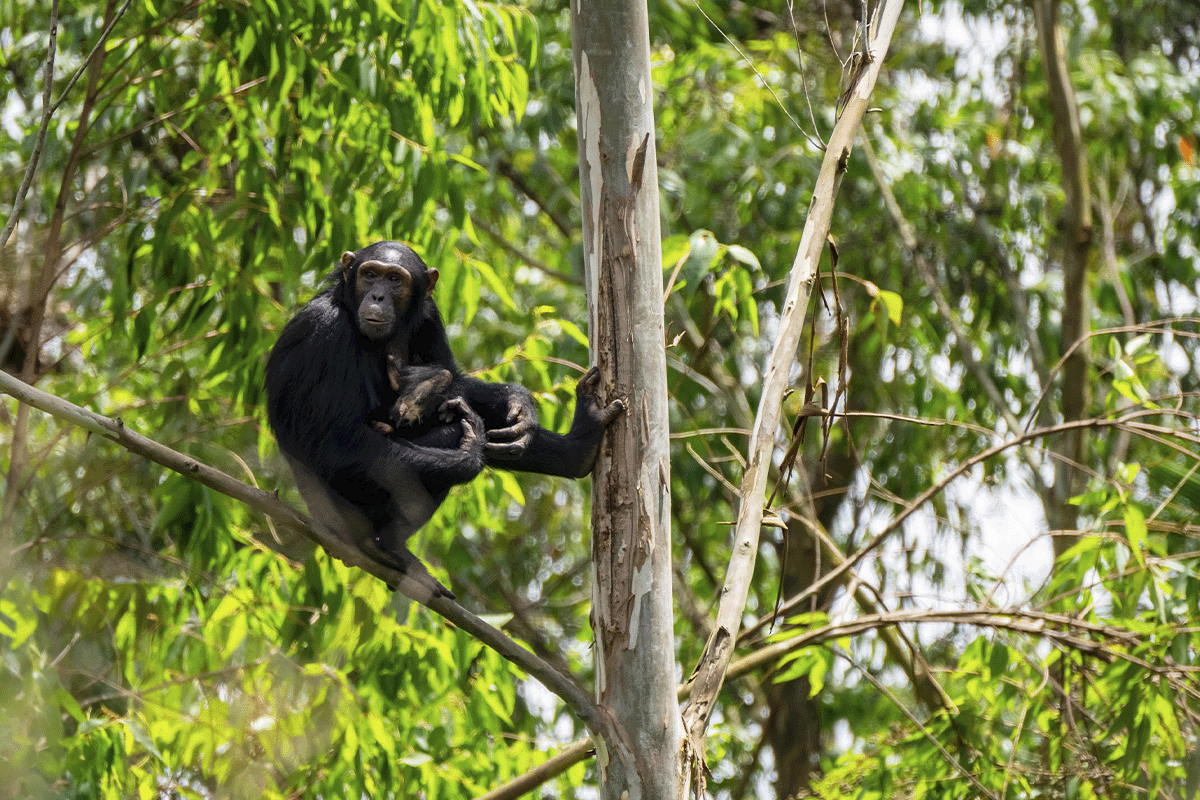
x=632 y=616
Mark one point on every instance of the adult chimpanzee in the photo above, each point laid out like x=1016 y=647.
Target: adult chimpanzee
x=327 y=377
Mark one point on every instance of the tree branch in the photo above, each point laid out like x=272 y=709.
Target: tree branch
x=561 y=684
x=962 y=337
x=1061 y=514
x=710 y=670
x=1065 y=428
x=1101 y=641
x=40 y=140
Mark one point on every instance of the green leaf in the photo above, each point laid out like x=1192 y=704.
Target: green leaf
x=238 y=628
x=1136 y=532
x=998 y=661
x=69 y=704
x=894 y=304
x=511 y=487
x=574 y=331
x=143 y=329
x=675 y=248
x=22 y=625
x=745 y=256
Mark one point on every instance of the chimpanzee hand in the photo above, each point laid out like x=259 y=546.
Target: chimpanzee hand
x=590 y=416
x=472 y=425
x=509 y=443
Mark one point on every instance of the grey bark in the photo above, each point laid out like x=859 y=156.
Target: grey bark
x=632 y=617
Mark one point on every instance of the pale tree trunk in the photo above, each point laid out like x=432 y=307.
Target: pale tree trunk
x=632 y=617
x=1069 y=450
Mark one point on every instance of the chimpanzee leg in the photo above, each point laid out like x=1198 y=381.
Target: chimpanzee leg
x=347 y=522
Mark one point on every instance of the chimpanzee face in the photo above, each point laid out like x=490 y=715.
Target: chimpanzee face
x=387 y=283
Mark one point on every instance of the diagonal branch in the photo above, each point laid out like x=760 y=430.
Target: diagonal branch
x=1128 y=418
x=710 y=670
x=40 y=140
x=563 y=685
x=961 y=336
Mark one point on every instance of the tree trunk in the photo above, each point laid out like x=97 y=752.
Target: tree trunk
x=632 y=616
x=1069 y=450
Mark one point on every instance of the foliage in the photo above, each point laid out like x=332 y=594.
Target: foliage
x=208 y=168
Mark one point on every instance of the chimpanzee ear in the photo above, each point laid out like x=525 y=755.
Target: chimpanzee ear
x=347 y=260
x=433 y=276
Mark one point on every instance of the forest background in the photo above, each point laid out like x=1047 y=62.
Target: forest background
x=1011 y=322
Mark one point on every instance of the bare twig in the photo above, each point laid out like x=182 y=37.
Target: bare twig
x=1127 y=419
x=548 y=770
x=951 y=760
x=961 y=335
x=48 y=109
x=40 y=141
x=1102 y=641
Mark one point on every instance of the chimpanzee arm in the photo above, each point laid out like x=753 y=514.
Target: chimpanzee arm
x=508 y=413
x=514 y=439
x=437 y=468
x=571 y=455
x=322 y=386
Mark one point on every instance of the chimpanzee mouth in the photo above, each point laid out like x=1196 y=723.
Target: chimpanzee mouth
x=375 y=329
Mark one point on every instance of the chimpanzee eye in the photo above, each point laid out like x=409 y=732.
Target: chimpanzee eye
x=369 y=274
x=394 y=277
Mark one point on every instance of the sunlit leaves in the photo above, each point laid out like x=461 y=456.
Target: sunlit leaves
x=699 y=263
x=231 y=155
x=229 y=159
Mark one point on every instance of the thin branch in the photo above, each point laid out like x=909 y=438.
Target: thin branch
x=548 y=770
x=1110 y=644
x=499 y=238
x=921 y=727
x=48 y=109
x=803 y=72
x=43 y=128
x=506 y=168
x=902 y=650
x=750 y=63
x=564 y=686
x=1053 y=430
x=961 y=335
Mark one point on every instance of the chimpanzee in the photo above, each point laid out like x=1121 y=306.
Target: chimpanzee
x=420 y=392
x=515 y=441
x=328 y=376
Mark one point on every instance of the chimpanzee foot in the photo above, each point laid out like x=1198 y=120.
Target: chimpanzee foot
x=416 y=581
x=422 y=588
